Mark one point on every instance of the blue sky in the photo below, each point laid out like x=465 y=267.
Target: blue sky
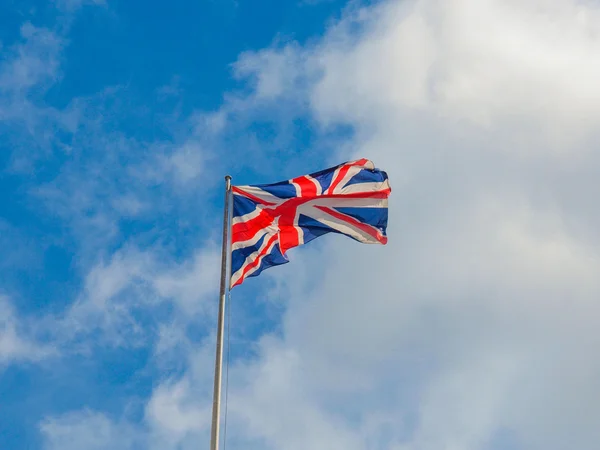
x=473 y=329
x=91 y=95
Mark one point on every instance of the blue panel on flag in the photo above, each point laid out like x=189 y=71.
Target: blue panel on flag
x=239 y=256
x=324 y=178
x=282 y=190
x=312 y=228
x=242 y=205
x=274 y=258
x=368 y=176
x=377 y=217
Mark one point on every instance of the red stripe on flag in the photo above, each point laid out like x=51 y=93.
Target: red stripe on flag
x=359 y=162
x=344 y=170
x=239 y=191
x=244 y=231
x=307 y=187
x=257 y=261
x=289 y=236
x=338 y=179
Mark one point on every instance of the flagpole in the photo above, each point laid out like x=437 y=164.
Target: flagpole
x=216 y=410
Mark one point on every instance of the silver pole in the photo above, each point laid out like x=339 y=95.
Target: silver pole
x=216 y=412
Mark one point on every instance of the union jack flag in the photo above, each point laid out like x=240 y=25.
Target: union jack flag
x=269 y=219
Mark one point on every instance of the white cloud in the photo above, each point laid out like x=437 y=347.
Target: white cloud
x=273 y=73
x=479 y=318
x=16 y=340
x=191 y=281
x=32 y=62
x=107 y=177
x=277 y=407
x=129 y=205
x=113 y=291
x=175 y=414
x=187 y=162
x=89 y=430
x=32 y=66
x=524 y=67
x=132 y=283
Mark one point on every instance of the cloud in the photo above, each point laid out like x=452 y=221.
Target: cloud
x=30 y=67
x=110 y=178
x=126 y=298
x=191 y=281
x=475 y=328
x=87 y=429
x=187 y=162
x=99 y=182
x=17 y=343
x=112 y=292
x=479 y=309
x=272 y=73
x=32 y=62
x=498 y=66
x=175 y=415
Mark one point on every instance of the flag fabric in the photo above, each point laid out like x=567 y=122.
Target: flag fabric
x=269 y=219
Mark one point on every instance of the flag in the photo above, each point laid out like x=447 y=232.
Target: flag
x=269 y=219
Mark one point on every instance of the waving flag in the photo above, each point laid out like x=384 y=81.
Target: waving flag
x=269 y=219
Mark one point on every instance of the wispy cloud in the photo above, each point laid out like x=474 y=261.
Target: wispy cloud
x=33 y=63
x=28 y=70
x=474 y=130
x=476 y=321
x=88 y=429
x=17 y=338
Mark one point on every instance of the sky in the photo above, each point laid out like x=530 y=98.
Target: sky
x=475 y=328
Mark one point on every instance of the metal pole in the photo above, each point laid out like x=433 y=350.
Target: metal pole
x=216 y=412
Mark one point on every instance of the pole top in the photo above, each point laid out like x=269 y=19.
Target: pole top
x=227 y=182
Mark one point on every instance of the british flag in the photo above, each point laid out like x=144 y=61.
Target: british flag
x=269 y=219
